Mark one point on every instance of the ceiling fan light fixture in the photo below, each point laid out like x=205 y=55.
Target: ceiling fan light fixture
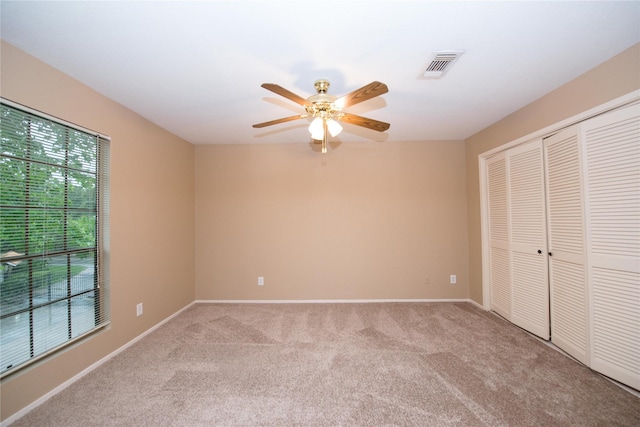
x=334 y=127
x=316 y=128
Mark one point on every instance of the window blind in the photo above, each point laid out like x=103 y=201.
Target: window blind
x=54 y=235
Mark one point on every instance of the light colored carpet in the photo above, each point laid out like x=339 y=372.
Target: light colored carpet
x=375 y=364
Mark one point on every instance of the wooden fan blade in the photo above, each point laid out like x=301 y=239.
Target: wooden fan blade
x=365 y=122
x=287 y=94
x=369 y=91
x=275 y=122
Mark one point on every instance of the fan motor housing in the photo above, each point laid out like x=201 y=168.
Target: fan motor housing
x=322 y=104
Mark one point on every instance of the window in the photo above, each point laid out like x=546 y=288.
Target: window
x=54 y=206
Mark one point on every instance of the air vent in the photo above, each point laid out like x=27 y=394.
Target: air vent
x=441 y=63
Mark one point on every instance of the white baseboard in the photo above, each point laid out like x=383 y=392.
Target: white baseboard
x=329 y=301
x=480 y=306
x=85 y=371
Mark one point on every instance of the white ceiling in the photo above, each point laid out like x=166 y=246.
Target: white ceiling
x=195 y=68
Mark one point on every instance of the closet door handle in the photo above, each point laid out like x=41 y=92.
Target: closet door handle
x=539 y=251
x=550 y=254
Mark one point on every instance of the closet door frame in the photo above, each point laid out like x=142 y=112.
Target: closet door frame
x=542 y=133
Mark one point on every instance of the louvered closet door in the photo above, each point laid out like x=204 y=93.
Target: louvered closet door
x=498 y=235
x=566 y=240
x=528 y=242
x=613 y=217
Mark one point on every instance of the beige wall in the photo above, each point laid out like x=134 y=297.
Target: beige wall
x=616 y=77
x=152 y=218
x=368 y=220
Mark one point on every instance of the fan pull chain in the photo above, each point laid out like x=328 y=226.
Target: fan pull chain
x=324 y=136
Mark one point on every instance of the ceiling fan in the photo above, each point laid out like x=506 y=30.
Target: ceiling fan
x=327 y=110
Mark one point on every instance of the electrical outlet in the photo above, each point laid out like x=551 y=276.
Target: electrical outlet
x=139 y=309
x=427 y=280
x=260 y=281
x=452 y=279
